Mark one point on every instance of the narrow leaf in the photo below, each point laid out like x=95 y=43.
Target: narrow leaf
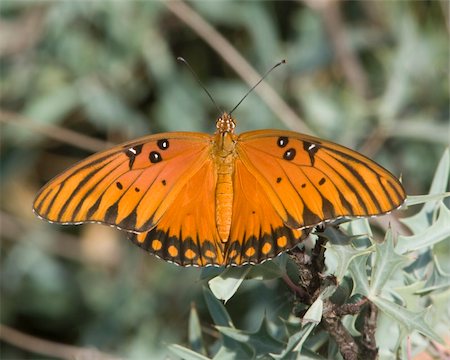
x=420 y=221
x=261 y=340
x=439 y=231
x=295 y=342
x=186 y=353
x=216 y=309
x=195 y=332
x=422 y=199
x=226 y=284
x=314 y=313
x=267 y=271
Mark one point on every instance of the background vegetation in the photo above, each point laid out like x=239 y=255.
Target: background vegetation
x=77 y=76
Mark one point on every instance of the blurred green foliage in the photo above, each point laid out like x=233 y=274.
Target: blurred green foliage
x=109 y=70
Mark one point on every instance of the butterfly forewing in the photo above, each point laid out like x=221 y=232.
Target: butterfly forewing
x=129 y=186
x=317 y=180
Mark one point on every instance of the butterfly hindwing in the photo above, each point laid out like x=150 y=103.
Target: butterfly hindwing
x=313 y=180
x=257 y=231
x=187 y=234
x=129 y=186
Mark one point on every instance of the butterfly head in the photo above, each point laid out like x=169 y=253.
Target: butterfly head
x=225 y=124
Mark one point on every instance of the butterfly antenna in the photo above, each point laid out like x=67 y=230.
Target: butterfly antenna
x=180 y=59
x=260 y=80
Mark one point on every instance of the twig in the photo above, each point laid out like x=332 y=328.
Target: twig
x=369 y=348
x=223 y=47
x=410 y=129
x=295 y=288
x=55 y=132
x=347 y=345
x=23 y=32
x=445 y=9
x=49 y=348
x=334 y=24
x=313 y=283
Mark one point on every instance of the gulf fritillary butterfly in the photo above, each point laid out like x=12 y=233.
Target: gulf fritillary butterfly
x=226 y=199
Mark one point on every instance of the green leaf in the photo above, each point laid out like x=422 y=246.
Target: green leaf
x=268 y=270
x=230 y=349
x=420 y=221
x=295 y=342
x=358 y=271
x=438 y=279
x=261 y=340
x=185 y=353
x=358 y=227
x=386 y=262
x=195 y=332
x=411 y=321
x=226 y=284
x=409 y=296
x=314 y=313
x=339 y=257
x=210 y=272
x=439 y=231
x=218 y=312
x=422 y=199
x=234 y=350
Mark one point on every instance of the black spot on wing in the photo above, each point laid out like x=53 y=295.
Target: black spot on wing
x=282 y=141
x=155 y=157
x=311 y=149
x=290 y=154
x=163 y=144
x=132 y=152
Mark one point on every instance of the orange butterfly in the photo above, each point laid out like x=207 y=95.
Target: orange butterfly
x=226 y=199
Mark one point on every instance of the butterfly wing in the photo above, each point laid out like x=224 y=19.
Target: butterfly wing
x=310 y=180
x=257 y=231
x=187 y=233
x=129 y=186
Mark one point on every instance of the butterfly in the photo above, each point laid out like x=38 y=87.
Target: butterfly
x=224 y=199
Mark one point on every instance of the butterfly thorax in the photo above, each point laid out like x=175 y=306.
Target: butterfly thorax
x=224 y=149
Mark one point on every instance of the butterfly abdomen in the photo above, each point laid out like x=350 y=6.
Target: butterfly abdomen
x=224 y=200
x=224 y=159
